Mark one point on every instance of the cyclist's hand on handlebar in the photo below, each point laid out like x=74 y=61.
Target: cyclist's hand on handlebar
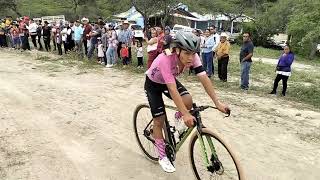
x=188 y=120
x=223 y=108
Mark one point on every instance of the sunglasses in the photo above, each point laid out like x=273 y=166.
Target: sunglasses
x=245 y=36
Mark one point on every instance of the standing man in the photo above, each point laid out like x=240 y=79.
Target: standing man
x=94 y=34
x=87 y=28
x=24 y=33
x=39 y=34
x=46 y=33
x=125 y=36
x=216 y=39
x=32 y=27
x=78 y=35
x=207 y=53
x=246 y=53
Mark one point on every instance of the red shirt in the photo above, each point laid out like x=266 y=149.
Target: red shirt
x=124 y=52
x=86 y=31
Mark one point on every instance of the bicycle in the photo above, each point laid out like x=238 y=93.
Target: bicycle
x=214 y=162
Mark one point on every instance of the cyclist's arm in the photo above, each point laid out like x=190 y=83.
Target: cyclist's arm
x=208 y=86
x=172 y=87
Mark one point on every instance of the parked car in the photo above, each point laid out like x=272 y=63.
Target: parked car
x=178 y=27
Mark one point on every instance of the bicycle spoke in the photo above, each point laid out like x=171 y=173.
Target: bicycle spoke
x=214 y=149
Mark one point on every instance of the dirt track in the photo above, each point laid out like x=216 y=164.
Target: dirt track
x=64 y=125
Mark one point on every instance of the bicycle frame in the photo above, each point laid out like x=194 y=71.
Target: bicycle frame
x=199 y=127
x=169 y=136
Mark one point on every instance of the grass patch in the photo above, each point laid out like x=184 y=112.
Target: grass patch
x=303 y=86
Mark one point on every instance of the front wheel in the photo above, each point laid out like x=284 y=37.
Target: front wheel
x=212 y=158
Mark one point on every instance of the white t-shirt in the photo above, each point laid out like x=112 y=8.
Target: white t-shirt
x=32 y=28
x=139 y=52
x=64 y=34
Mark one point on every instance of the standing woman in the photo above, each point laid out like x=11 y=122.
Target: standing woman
x=152 y=47
x=222 y=54
x=283 y=70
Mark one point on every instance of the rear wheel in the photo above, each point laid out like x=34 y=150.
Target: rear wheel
x=223 y=164
x=142 y=123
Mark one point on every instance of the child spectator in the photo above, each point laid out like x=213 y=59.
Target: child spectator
x=15 y=36
x=124 y=53
x=139 y=54
x=58 y=37
x=100 y=51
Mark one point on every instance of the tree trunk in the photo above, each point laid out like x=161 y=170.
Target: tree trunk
x=313 y=50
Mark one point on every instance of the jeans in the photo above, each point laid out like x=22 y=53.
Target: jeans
x=207 y=59
x=111 y=55
x=78 y=45
x=245 y=71
x=91 y=50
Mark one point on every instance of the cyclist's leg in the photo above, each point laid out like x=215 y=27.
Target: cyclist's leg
x=154 y=94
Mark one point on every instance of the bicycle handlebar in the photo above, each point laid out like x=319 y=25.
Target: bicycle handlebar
x=202 y=108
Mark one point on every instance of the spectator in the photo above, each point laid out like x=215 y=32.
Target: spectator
x=125 y=36
x=78 y=36
x=100 y=51
x=24 y=35
x=33 y=32
x=160 y=40
x=58 y=37
x=53 y=35
x=152 y=47
x=3 y=42
x=39 y=34
x=94 y=34
x=46 y=33
x=139 y=51
x=15 y=36
x=124 y=52
x=207 y=53
x=112 y=46
x=216 y=39
x=222 y=54
x=246 y=54
x=283 y=70
x=86 y=37
x=167 y=38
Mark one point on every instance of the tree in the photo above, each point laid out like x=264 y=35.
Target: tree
x=304 y=27
x=147 y=8
x=11 y=5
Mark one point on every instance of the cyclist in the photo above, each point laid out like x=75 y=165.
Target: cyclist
x=161 y=78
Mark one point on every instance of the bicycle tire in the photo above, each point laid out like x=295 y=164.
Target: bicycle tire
x=212 y=134
x=136 y=131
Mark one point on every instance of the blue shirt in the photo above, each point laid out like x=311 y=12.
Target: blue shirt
x=209 y=44
x=125 y=36
x=78 y=32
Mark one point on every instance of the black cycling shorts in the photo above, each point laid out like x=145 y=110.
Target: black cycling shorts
x=154 y=92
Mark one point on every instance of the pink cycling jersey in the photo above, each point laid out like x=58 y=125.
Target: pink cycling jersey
x=164 y=68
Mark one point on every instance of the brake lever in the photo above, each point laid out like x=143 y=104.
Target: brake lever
x=228 y=111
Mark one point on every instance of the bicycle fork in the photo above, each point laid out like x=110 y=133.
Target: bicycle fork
x=213 y=164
